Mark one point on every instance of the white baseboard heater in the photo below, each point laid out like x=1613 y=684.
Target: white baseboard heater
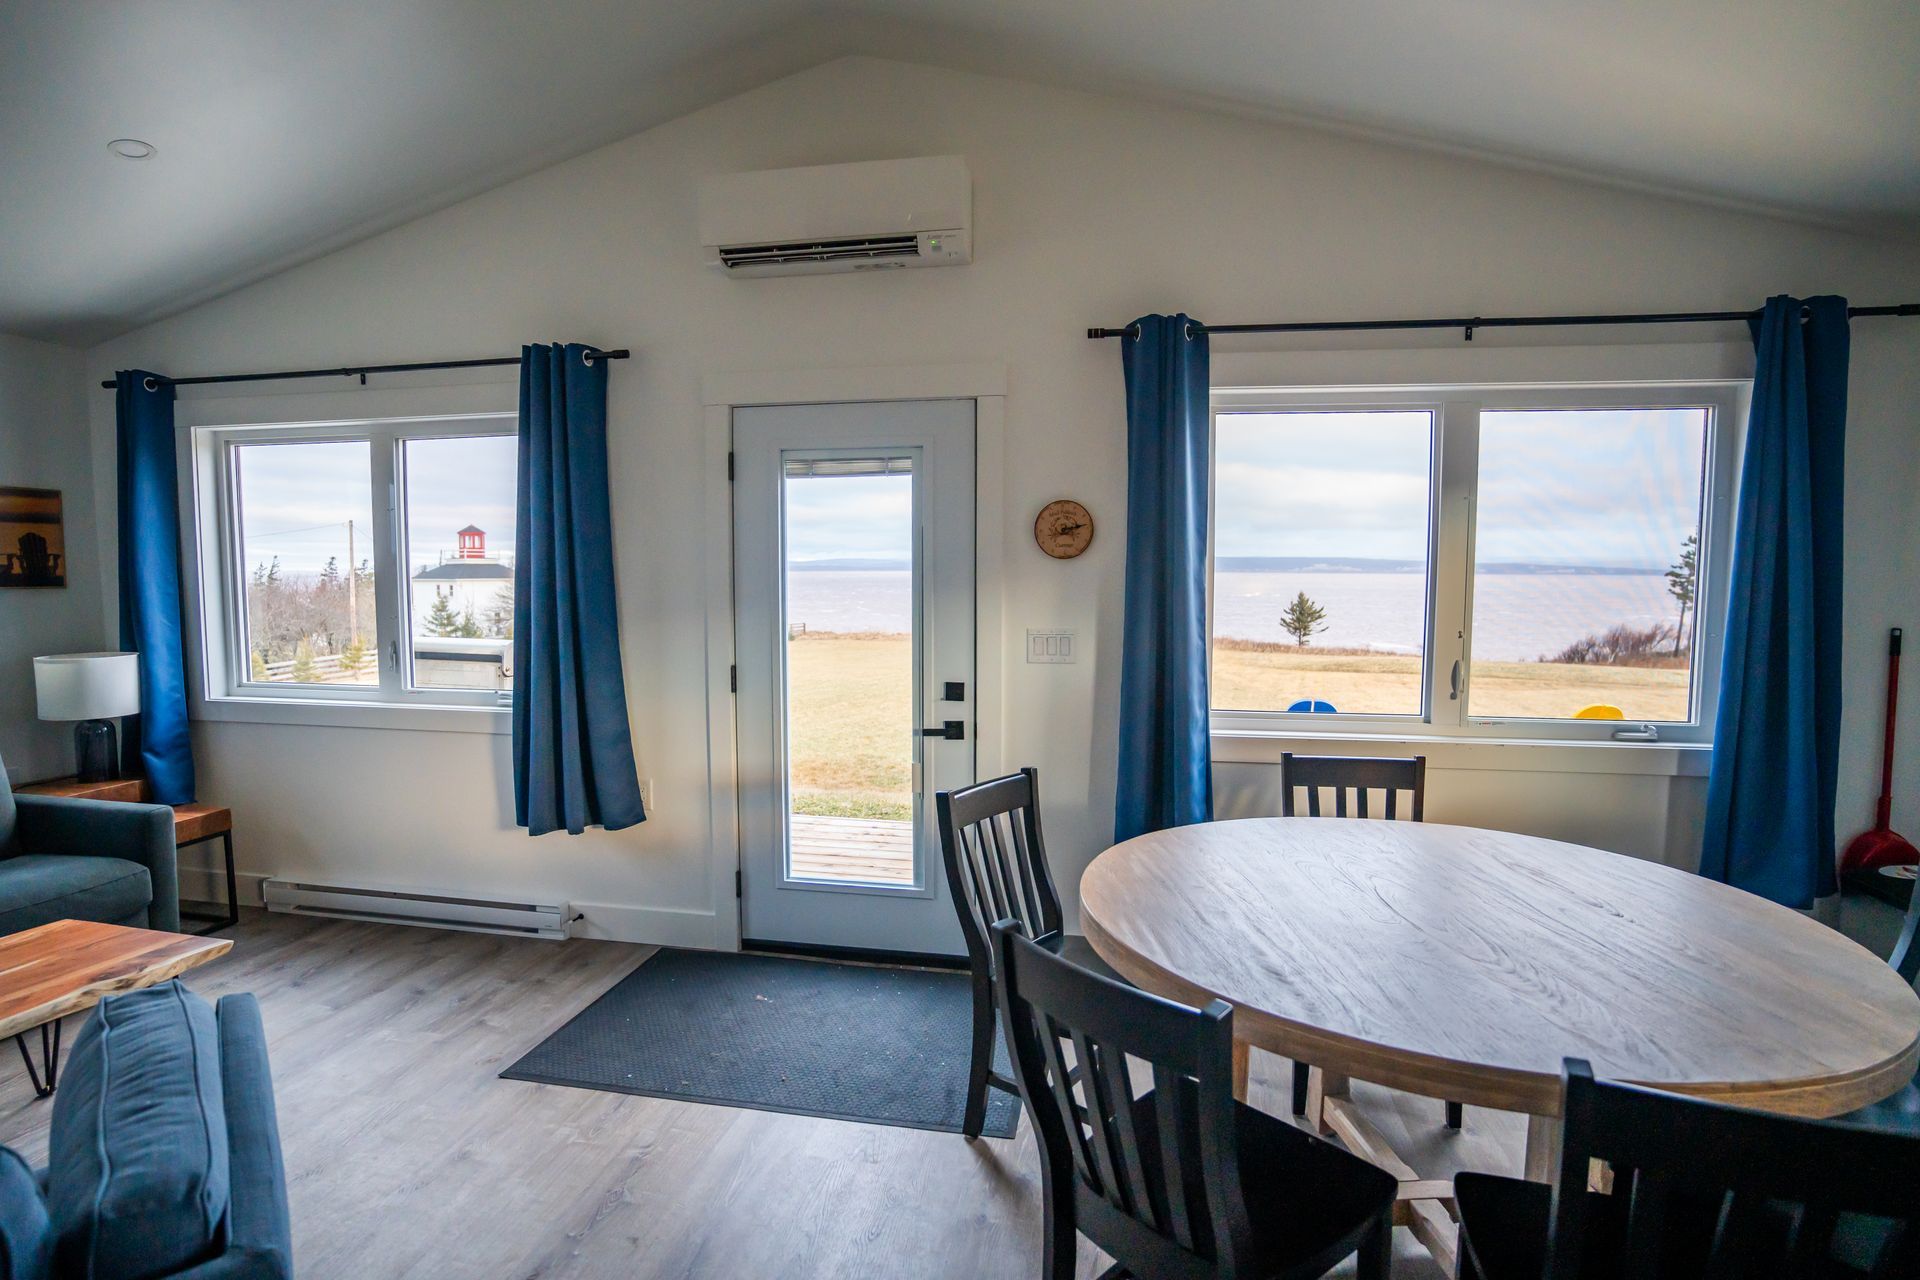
x=408 y=906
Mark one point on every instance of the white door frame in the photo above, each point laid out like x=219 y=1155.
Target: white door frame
x=722 y=393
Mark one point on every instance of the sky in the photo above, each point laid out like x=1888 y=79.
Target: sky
x=1600 y=487
x=1585 y=487
x=296 y=499
x=850 y=517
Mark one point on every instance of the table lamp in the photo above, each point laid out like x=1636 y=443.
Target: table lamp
x=91 y=688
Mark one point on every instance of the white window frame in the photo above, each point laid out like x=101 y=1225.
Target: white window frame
x=1456 y=413
x=226 y=689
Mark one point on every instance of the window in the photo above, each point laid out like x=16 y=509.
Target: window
x=1480 y=561
x=313 y=590
x=1320 y=560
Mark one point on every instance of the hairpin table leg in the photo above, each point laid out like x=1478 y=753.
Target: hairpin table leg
x=49 y=1058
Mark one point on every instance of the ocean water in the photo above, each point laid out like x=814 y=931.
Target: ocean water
x=1518 y=617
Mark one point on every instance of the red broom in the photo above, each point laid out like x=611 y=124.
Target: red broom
x=1883 y=846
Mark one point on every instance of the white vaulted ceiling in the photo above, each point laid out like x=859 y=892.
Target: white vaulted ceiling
x=288 y=129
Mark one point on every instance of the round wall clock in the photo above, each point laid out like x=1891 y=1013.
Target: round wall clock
x=1063 y=529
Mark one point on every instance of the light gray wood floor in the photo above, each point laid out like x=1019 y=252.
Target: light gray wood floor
x=408 y=1157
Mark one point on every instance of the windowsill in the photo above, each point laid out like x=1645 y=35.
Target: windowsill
x=357 y=715
x=1523 y=755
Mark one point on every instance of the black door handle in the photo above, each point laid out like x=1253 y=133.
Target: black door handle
x=952 y=730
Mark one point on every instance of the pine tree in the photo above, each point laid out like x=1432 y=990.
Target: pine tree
x=303 y=672
x=1303 y=619
x=442 y=620
x=330 y=576
x=354 y=656
x=469 y=626
x=1681 y=576
x=257 y=665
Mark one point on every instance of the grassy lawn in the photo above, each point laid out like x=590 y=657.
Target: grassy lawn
x=1271 y=678
x=853 y=704
x=852 y=753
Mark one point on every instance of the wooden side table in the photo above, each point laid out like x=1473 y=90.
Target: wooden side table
x=192 y=824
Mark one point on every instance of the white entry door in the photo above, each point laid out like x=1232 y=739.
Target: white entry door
x=853 y=609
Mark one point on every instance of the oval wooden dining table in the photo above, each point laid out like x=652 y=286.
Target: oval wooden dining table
x=1464 y=964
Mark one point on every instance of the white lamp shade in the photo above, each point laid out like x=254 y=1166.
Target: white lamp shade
x=87 y=686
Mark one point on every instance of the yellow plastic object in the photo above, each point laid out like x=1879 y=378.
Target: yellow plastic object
x=1600 y=711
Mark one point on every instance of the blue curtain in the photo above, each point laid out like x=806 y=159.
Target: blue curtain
x=1166 y=758
x=154 y=744
x=1776 y=742
x=572 y=747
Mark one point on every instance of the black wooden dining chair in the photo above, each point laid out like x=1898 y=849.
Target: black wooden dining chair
x=996 y=863
x=1356 y=777
x=1176 y=1179
x=1700 y=1189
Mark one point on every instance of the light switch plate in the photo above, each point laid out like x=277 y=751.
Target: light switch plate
x=1055 y=644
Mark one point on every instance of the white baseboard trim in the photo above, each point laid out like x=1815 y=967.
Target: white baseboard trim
x=610 y=921
x=658 y=926
x=207 y=882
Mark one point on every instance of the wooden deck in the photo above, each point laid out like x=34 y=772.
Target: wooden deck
x=864 y=850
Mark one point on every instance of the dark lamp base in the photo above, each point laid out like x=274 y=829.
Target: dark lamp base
x=96 y=750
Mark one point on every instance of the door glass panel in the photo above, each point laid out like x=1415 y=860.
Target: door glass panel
x=1586 y=563
x=850 y=715
x=306 y=541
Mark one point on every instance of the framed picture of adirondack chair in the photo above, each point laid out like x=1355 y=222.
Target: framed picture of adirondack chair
x=33 y=545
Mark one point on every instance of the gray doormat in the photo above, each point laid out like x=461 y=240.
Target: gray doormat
x=872 y=1043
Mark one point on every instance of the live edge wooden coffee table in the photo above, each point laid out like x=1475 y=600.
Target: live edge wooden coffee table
x=67 y=966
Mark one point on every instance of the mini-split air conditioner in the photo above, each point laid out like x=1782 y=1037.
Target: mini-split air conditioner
x=870 y=216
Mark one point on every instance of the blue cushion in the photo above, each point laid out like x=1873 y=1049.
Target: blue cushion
x=26 y=1234
x=138 y=1176
x=8 y=817
x=39 y=888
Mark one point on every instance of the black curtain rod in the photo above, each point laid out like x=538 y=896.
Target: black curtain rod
x=358 y=371
x=1470 y=323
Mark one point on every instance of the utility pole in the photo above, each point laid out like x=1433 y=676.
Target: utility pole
x=353 y=589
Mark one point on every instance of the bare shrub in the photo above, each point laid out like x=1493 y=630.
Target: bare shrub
x=1626 y=646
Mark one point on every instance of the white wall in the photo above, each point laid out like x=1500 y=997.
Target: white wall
x=1089 y=211
x=43 y=444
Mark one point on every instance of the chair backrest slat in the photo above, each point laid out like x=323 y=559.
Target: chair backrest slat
x=1179 y=1150
x=993 y=859
x=1059 y=1078
x=1025 y=859
x=1651 y=1200
x=1176 y=1175
x=1099 y=1109
x=996 y=860
x=1114 y=1087
x=1719 y=1191
x=1355 y=775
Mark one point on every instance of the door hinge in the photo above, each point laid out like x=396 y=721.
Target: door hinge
x=729 y=466
x=736 y=883
x=733 y=679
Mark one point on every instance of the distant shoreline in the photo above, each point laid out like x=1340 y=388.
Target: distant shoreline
x=1300 y=564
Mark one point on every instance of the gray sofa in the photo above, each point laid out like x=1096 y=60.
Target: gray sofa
x=164 y=1153
x=99 y=860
